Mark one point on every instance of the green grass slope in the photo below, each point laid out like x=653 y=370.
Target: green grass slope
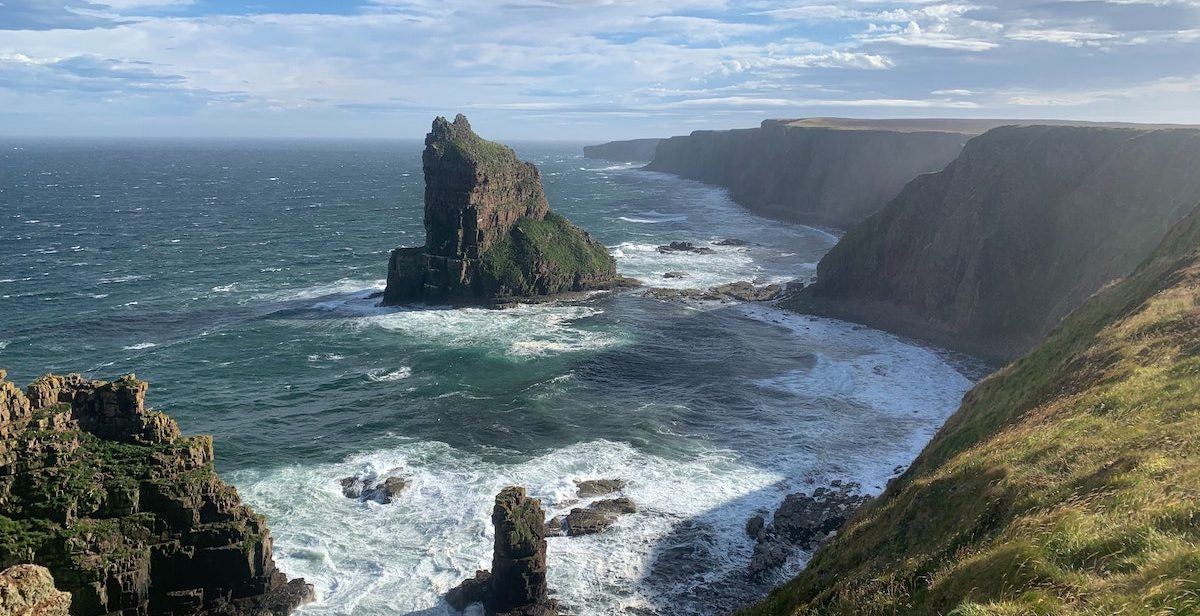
x=1067 y=483
x=544 y=257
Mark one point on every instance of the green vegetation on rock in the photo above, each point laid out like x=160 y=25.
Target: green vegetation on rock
x=540 y=257
x=1067 y=483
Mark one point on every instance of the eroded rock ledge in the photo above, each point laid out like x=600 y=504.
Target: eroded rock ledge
x=126 y=512
x=490 y=236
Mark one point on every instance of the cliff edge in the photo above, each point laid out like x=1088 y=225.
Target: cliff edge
x=988 y=255
x=814 y=172
x=1064 y=484
x=489 y=233
x=629 y=151
x=127 y=513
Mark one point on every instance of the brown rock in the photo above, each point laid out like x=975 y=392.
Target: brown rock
x=28 y=590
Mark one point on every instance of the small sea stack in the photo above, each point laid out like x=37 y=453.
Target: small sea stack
x=490 y=236
x=516 y=584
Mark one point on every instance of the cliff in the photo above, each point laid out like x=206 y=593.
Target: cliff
x=489 y=232
x=633 y=150
x=127 y=513
x=989 y=254
x=1064 y=484
x=821 y=172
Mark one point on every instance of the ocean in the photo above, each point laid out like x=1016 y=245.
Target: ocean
x=237 y=277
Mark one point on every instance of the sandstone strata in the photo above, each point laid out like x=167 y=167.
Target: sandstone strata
x=989 y=254
x=127 y=513
x=489 y=232
x=516 y=584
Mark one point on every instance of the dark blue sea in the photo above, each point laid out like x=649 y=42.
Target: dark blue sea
x=237 y=277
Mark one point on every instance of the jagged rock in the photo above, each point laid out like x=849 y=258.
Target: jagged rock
x=366 y=489
x=28 y=590
x=516 y=584
x=741 y=291
x=126 y=512
x=592 y=519
x=598 y=487
x=489 y=233
x=685 y=247
x=802 y=521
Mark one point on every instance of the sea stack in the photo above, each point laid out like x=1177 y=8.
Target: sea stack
x=490 y=235
x=516 y=585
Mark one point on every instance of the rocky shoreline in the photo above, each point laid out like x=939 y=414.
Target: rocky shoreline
x=126 y=512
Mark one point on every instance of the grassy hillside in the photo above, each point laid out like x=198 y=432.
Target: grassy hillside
x=1067 y=483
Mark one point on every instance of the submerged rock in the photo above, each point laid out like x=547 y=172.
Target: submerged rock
x=489 y=233
x=28 y=590
x=685 y=247
x=516 y=584
x=731 y=242
x=675 y=275
x=126 y=512
x=367 y=489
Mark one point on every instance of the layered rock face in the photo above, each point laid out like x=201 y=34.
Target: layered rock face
x=629 y=151
x=28 y=590
x=516 y=584
x=989 y=254
x=1064 y=484
x=127 y=513
x=489 y=231
x=812 y=172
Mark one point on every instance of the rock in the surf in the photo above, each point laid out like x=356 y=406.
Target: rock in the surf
x=490 y=236
x=598 y=487
x=685 y=247
x=367 y=489
x=594 y=518
x=516 y=584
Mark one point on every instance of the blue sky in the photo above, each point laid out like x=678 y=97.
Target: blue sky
x=582 y=69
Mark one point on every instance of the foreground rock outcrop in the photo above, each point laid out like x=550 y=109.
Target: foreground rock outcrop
x=516 y=584
x=126 y=513
x=629 y=151
x=1065 y=484
x=803 y=521
x=816 y=171
x=28 y=590
x=989 y=254
x=489 y=233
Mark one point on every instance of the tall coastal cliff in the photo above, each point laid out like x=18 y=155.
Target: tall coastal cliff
x=825 y=173
x=127 y=513
x=989 y=254
x=1067 y=483
x=630 y=151
x=489 y=232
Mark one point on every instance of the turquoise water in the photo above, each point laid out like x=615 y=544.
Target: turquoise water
x=236 y=278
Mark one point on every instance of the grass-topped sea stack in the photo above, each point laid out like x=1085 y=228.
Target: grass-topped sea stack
x=489 y=233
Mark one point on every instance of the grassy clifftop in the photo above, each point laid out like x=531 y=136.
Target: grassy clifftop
x=1067 y=483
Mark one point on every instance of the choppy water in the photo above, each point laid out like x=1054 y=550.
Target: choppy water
x=235 y=278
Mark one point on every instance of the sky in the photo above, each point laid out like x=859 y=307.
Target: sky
x=584 y=70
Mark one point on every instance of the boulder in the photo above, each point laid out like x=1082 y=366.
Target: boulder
x=28 y=590
x=368 y=489
x=802 y=521
x=594 y=518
